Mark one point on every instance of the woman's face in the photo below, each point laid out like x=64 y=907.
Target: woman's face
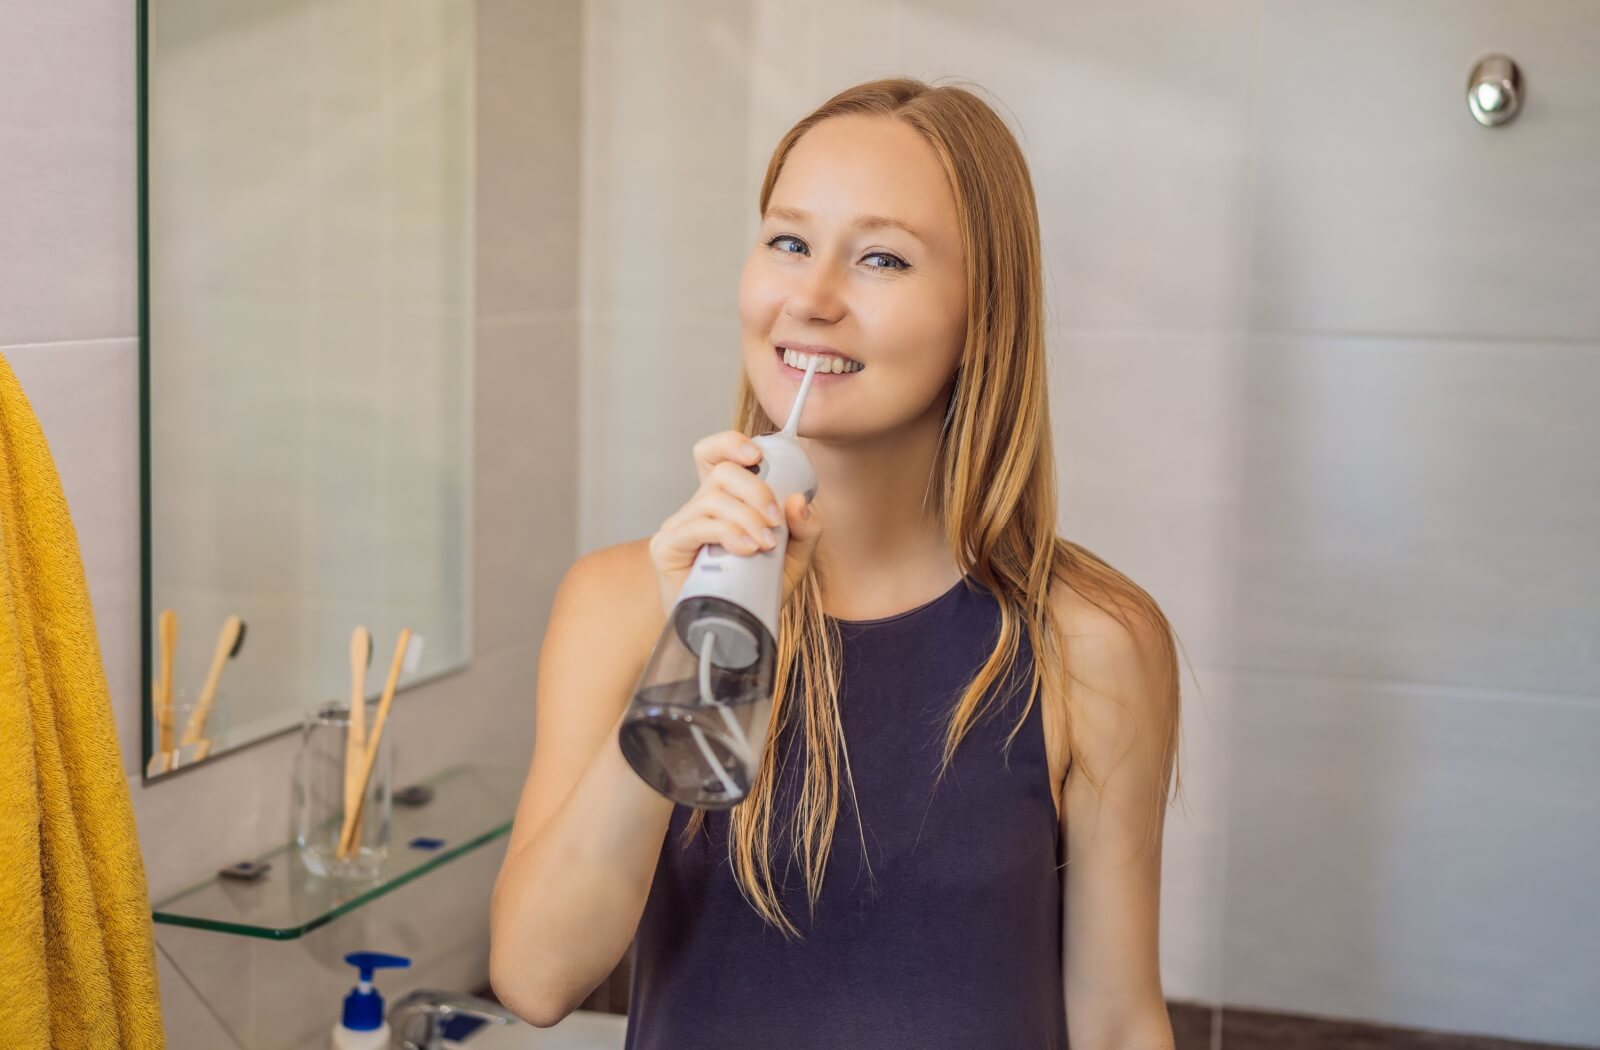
x=859 y=253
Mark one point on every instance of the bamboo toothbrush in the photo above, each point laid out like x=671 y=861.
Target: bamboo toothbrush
x=229 y=641
x=355 y=736
x=168 y=626
x=370 y=739
x=350 y=834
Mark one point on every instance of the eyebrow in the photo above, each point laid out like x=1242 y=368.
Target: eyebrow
x=864 y=222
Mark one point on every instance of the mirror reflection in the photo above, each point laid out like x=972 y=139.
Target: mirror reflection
x=309 y=355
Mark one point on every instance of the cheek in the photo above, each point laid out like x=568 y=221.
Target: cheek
x=758 y=311
x=924 y=331
x=760 y=298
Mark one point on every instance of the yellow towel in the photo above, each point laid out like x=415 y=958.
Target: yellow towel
x=77 y=951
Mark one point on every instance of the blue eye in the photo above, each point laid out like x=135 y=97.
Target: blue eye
x=784 y=237
x=897 y=263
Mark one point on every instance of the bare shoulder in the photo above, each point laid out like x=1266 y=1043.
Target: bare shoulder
x=614 y=585
x=608 y=605
x=1120 y=676
x=620 y=573
x=1112 y=636
x=618 y=562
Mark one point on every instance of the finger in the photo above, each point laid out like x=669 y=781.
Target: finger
x=688 y=538
x=800 y=512
x=724 y=505
x=724 y=446
x=804 y=523
x=729 y=477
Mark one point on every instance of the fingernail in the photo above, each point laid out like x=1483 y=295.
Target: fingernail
x=749 y=449
x=774 y=515
x=769 y=536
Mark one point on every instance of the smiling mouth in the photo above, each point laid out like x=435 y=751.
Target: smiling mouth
x=828 y=364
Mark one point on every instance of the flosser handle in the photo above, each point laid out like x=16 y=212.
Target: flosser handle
x=785 y=468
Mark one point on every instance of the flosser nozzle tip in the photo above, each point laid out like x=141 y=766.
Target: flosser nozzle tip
x=792 y=427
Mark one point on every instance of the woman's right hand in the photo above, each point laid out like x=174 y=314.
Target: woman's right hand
x=735 y=508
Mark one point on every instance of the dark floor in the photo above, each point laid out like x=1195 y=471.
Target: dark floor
x=1262 y=1030
x=1191 y=1025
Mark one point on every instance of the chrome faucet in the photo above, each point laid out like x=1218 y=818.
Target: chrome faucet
x=415 y=1019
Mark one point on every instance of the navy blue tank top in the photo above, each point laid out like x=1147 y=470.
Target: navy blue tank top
x=954 y=940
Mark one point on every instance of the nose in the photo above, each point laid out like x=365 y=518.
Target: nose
x=814 y=296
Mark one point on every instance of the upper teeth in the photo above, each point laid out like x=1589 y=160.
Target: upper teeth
x=827 y=363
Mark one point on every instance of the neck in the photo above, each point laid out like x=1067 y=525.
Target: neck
x=882 y=547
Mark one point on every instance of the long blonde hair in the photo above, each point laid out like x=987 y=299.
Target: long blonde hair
x=994 y=489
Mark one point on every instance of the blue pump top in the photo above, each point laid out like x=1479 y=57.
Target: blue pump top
x=363 y=1007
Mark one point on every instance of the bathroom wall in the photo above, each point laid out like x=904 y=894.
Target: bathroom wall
x=1319 y=346
x=1415 y=677
x=68 y=325
x=1324 y=353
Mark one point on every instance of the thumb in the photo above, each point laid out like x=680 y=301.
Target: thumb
x=804 y=525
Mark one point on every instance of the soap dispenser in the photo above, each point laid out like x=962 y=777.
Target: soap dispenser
x=362 y=1027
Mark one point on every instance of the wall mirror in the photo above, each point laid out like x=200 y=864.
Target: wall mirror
x=306 y=240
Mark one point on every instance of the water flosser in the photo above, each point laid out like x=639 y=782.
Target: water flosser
x=698 y=719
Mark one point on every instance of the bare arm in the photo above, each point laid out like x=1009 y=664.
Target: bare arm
x=588 y=831
x=1112 y=883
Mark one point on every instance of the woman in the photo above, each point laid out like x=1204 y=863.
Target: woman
x=898 y=233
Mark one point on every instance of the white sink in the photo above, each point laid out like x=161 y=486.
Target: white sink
x=579 y=1030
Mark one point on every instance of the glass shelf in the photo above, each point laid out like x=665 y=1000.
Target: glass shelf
x=471 y=805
